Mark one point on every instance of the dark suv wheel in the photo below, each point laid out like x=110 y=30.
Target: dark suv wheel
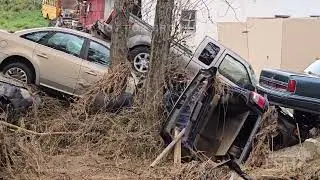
x=19 y=71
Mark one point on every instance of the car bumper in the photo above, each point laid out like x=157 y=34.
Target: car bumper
x=283 y=99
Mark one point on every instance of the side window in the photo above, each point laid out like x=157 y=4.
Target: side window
x=235 y=71
x=98 y=53
x=67 y=43
x=35 y=36
x=209 y=53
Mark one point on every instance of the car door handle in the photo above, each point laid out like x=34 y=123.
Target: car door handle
x=91 y=73
x=42 y=55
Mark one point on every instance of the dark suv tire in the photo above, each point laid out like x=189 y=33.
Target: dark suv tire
x=19 y=71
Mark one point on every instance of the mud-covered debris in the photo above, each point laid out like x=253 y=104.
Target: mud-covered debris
x=15 y=98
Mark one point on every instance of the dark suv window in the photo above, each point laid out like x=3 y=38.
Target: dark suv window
x=67 y=43
x=209 y=53
x=35 y=36
x=235 y=71
x=98 y=53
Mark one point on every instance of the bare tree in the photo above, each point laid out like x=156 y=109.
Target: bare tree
x=120 y=26
x=160 y=49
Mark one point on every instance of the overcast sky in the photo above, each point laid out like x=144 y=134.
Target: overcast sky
x=262 y=8
x=294 y=8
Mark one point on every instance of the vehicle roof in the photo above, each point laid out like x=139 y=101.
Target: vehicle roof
x=66 y=30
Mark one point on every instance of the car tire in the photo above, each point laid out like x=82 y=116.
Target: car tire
x=139 y=58
x=23 y=70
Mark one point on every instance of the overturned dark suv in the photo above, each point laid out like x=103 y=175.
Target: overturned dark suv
x=219 y=119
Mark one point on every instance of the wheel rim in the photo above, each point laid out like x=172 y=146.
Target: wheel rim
x=141 y=62
x=17 y=73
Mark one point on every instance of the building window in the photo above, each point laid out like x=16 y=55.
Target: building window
x=188 y=20
x=136 y=8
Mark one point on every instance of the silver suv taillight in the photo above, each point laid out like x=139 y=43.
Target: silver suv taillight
x=258 y=99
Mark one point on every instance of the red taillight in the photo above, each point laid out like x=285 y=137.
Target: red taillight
x=292 y=85
x=258 y=99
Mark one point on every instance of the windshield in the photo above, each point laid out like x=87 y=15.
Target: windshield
x=314 y=68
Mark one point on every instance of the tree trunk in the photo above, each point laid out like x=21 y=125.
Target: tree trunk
x=117 y=77
x=119 y=37
x=160 y=49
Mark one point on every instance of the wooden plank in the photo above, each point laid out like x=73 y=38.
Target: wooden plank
x=168 y=148
x=177 y=150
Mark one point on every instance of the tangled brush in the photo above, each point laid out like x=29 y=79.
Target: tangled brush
x=122 y=136
x=110 y=86
x=112 y=135
x=203 y=170
x=260 y=148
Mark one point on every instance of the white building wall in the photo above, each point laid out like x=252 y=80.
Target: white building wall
x=209 y=12
x=109 y=4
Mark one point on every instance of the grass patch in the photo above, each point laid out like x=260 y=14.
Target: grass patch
x=13 y=20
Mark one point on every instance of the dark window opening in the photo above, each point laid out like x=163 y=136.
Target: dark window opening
x=209 y=53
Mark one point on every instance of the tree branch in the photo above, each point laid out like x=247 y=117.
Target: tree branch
x=33 y=132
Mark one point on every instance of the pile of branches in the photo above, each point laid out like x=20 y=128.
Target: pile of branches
x=261 y=145
x=55 y=127
x=203 y=170
x=110 y=86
